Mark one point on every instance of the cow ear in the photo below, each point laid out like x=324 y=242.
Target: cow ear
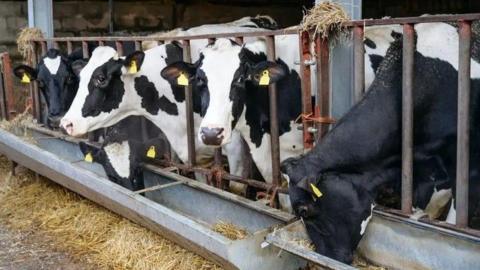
x=90 y=153
x=179 y=73
x=266 y=73
x=25 y=73
x=133 y=62
x=77 y=66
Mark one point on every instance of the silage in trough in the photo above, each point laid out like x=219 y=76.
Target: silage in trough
x=85 y=229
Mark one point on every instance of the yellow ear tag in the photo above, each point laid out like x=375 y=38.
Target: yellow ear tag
x=316 y=191
x=265 y=79
x=25 y=78
x=133 y=68
x=182 y=80
x=89 y=158
x=151 y=152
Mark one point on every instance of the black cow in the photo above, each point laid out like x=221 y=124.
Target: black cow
x=370 y=133
x=57 y=80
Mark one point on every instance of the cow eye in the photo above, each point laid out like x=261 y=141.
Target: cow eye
x=101 y=78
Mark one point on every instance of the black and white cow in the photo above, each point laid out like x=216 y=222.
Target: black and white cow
x=370 y=133
x=123 y=152
x=109 y=92
x=57 y=80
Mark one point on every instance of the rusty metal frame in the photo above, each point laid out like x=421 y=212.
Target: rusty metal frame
x=322 y=108
x=7 y=100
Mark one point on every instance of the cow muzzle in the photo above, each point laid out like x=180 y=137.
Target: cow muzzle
x=212 y=136
x=54 y=121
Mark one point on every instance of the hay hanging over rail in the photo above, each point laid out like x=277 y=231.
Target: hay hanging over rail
x=325 y=19
x=24 y=46
x=87 y=231
x=230 y=230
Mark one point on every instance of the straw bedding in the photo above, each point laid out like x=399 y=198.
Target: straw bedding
x=87 y=231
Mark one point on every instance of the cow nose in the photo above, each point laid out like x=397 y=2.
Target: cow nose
x=212 y=136
x=54 y=120
x=67 y=126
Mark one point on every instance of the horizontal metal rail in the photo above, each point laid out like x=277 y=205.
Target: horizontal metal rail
x=414 y=20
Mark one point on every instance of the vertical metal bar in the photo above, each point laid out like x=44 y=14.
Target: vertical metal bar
x=138 y=45
x=274 y=133
x=119 y=46
x=407 y=117
x=211 y=40
x=44 y=47
x=3 y=103
x=306 y=83
x=37 y=109
x=463 y=123
x=323 y=83
x=239 y=40
x=10 y=109
x=69 y=47
x=56 y=45
x=189 y=108
x=101 y=43
x=359 y=63
x=85 y=49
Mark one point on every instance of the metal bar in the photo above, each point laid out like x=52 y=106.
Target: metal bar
x=138 y=45
x=306 y=83
x=289 y=31
x=85 y=49
x=119 y=46
x=463 y=123
x=239 y=40
x=407 y=117
x=189 y=109
x=274 y=133
x=323 y=83
x=359 y=63
x=44 y=47
x=69 y=47
x=8 y=95
x=37 y=109
x=3 y=104
x=101 y=43
x=158 y=187
x=414 y=20
x=56 y=45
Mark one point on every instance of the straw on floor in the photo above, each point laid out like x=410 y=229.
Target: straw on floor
x=85 y=229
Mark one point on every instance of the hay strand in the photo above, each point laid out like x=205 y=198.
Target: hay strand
x=230 y=230
x=24 y=44
x=325 y=19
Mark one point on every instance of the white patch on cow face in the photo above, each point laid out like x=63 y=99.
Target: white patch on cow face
x=440 y=40
x=364 y=224
x=452 y=214
x=119 y=156
x=219 y=65
x=52 y=64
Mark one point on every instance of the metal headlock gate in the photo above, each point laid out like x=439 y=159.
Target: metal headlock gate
x=316 y=118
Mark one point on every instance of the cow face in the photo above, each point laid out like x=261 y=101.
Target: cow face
x=57 y=80
x=102 y=99
x=222 y=77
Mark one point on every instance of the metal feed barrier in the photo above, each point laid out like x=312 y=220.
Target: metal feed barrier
x=315 y=125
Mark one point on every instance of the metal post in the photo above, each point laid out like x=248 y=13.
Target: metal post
x=463 y=123
x=101 y=43
x=359 y=63
x=189 y=108
x=306 y=83
x=323 y=83
x=3 y=103
x=44 y=47
x=274 y=133
x=85 y=49
x=9 y=110
x=69 y=47
x=119 y=46
x=37 y=110
x=138 y=45
x=407 y=117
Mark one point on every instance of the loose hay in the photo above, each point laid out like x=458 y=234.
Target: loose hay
x=362 y=264
x=86 y=230
x=24 y=45
x=325 y=19
x=230 y=230
x=18 y=126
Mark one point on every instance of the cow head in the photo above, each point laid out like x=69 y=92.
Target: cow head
x=57 y=80
x=222 y=78
x=102 y=99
